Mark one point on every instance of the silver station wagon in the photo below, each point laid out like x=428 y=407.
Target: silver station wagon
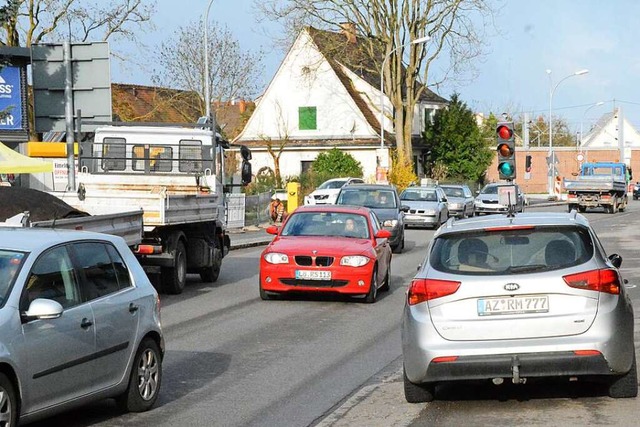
x=79 y=321
x=504 y=298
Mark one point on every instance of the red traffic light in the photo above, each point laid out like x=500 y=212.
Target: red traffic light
x=505 y=150
x=504 y=132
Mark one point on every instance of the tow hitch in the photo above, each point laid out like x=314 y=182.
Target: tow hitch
x=515 y=371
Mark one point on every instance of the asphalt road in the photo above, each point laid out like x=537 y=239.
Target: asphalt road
x=235 y=360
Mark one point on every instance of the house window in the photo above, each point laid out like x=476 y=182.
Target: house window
x=307 y=118
x=305 y=165
x=429 y=114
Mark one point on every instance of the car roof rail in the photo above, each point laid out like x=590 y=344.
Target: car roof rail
x=573 y=214
x=450 y=222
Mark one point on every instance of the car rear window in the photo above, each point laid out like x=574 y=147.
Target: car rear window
x=511 y=251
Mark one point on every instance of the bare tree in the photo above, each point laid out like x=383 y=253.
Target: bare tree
x=275 y=147
x=233 y=73
x=455 y=28
x=40 y=21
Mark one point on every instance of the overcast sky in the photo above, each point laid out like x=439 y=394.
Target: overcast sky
x=533 y=36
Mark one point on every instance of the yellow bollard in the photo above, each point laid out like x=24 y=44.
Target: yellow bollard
x=293 y=196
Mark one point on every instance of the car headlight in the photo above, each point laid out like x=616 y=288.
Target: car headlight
x=390 y=223
x=354 y=260
x=455 y=205
x=276 y=258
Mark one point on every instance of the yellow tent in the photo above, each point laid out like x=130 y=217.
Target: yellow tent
x=13 y=162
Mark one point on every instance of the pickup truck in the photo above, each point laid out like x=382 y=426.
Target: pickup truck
x=600 y=184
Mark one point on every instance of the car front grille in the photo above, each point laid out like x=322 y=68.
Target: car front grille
x=321 y=261
x=315 y=283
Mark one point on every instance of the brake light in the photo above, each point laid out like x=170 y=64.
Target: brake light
x=148 y=249
x=587 y=353
x=605 y=280
x=422 y=290
x=508 y=228
x=444 y=359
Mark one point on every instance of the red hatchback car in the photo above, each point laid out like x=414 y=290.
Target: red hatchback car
x=329 y=249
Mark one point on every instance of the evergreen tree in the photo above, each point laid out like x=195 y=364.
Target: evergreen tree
x=458 y=148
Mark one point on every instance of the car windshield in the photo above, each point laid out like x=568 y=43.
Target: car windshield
x=490 y=189
x=330 y=224
x=332 y=184
x=419 y=195
x=453 y=191
x=507 y=252
x=376 y=199
x=10 y=264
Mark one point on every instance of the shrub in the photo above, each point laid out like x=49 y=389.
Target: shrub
x=402 y=174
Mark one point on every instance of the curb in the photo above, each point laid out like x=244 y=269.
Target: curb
x=249 y=244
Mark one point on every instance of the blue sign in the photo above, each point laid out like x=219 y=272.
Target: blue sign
x=10 y=99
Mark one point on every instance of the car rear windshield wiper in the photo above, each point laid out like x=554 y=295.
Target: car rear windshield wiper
x=526 y=268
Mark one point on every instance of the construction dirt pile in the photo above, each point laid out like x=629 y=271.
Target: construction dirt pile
x=41 y=206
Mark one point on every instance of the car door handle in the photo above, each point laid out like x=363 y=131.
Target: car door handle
x=86 y=323
x=133 y=308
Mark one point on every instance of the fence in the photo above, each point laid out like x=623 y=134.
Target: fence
x=257 y=209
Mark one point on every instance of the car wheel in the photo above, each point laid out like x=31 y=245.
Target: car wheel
x=396 y=249
x=387 y=278
x=210 y=274
x=8 y=403
x=145 y=379
x=373 y=289
x=582 y=209
x=418 y=393
x=626 y=385
x=174 y=278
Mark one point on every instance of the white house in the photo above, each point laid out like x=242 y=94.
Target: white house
x=604 y=134
x=316 y=101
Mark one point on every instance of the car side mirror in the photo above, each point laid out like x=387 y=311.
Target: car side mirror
x=273 y=229
x=41 y=308
x=383 y=234
x=477 y=192
x=404 y=208
x=616 y=260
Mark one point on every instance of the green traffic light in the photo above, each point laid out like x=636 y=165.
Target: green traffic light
x=506 y=169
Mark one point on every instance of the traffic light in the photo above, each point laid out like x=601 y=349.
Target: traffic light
x=527 y=163
x=506 y=151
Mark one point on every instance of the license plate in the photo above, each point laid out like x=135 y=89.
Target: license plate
x=313 y=275
x=415 y=217
x=513 y=305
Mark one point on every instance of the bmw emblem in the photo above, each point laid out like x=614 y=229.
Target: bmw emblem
x=511 y=287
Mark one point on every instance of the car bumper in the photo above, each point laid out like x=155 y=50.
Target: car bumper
x=535 y=357
x=458 y=213
x=416 y=220
x=491 y=209
x=348 y=280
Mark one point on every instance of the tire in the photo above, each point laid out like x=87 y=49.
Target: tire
x=418 y=393
x=396 y=249
x=8 y=402
x=145 y=379
x=626 y=385
x=582 y=209
x=174 y=278
x=614 y=207
x=210 y=274
x=372 y=295
x=385 y=285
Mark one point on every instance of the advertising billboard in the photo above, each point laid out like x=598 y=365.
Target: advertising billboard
x=10 y=99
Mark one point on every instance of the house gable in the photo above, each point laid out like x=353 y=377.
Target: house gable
x=604 y=134
x=304 y=83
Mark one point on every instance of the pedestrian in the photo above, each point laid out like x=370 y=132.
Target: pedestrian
x=276 y=211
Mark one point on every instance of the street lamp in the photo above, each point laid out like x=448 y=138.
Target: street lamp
x=597 y=104
x=207 y=98
x=416 y=41
x=553 y=165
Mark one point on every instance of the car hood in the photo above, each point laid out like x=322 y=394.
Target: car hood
x=456 y=199
x=334 y=246
x=326 y=191
x=487 y=197
x=384 y=214
x=417 y=204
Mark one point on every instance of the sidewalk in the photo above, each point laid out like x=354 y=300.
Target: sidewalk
x=250 y=236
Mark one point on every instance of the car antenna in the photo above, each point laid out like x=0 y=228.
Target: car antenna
x=511 y=209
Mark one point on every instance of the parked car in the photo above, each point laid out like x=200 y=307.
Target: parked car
x=487 y=200
x=636 y=191
x=327 y=192
x=508 y=299
x=461 y=200
x=384 y=201
x=428 y=206
x=327 y=249
x=79 y=321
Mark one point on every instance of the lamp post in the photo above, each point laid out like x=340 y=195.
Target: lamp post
x=207 y=97
x=416 y=41
x=551 y=92
x=583 y=117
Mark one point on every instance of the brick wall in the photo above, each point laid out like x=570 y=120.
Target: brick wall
x=566 y=167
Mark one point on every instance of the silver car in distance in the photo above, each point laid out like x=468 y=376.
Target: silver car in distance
x=504 y=298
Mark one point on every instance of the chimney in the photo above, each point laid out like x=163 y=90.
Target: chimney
x=242 y=106
x=349 y=30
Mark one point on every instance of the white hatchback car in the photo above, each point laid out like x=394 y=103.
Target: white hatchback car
x=79 y=321
x=327 y=192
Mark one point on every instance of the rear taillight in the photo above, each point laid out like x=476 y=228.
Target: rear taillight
x=605 y=280
x=422 y=290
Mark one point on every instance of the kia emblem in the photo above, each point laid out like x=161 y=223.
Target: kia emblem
x=511 y=287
